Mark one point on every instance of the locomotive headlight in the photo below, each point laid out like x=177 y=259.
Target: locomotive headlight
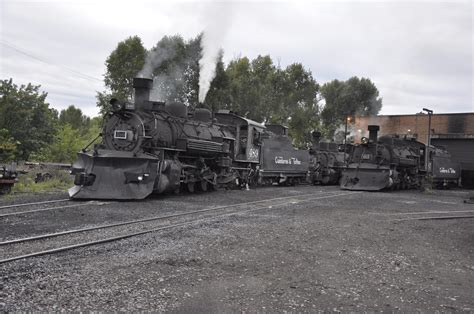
x=140 y=178
x=1 y=175
x=364 y=140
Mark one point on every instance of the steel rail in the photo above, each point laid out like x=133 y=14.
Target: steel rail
x=129 y=235
x=51 y=208
x=95 y=203
x=434 y=218
x=425 y=212
x=35 y=203
x=130 y=222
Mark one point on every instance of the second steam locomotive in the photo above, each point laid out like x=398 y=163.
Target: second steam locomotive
x=391 y=162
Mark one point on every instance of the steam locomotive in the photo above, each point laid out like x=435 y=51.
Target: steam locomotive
x=327 y=160
x=156 y=147
x=391 y=162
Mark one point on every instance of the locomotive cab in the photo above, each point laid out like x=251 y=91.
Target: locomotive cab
x=248 y=136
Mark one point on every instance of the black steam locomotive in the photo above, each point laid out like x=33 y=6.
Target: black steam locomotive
x=327 y=159
x=155 y=147
x=391 y=162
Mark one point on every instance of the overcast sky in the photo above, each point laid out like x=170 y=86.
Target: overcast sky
x=419 y=54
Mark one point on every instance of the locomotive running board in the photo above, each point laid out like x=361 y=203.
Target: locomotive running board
x=365 y=179
x=113 y=175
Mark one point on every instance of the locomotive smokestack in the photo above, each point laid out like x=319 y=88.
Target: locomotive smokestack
x=316 y=138
x=142 y=88
x=373 y=130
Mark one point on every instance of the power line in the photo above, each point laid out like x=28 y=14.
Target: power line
x=32 y=56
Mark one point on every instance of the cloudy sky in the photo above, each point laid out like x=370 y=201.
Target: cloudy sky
x=419 y=54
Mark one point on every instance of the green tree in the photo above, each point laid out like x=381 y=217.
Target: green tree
x=27 y=117
x=7 y=146
x=175 y=69
x=122 y=65
x=350 y=98
x=241 y=91
x=218 y=95
x=75 y=118
x=65 y=146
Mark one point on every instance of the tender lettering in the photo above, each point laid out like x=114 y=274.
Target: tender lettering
x=290 y=161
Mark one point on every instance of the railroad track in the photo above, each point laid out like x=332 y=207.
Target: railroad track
x=22 y=248
x=429 y=215
x=72 y=204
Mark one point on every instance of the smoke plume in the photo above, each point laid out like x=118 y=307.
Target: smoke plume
x=155 y=58
x=217 y=21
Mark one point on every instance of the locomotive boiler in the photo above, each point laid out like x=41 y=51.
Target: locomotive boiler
x=156 y=147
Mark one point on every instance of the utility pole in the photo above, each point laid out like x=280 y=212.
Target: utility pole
x=428 y=164
x=430 y=112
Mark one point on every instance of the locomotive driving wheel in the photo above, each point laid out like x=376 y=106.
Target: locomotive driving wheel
x=191 y=187
x=203 y=185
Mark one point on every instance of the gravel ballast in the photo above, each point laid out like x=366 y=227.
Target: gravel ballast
x=346 y=253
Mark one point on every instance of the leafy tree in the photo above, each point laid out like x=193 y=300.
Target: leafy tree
x=218 y=97
x=298 y=102
x=262 y=92
x=65 y=146
x=122 y=65
x=241 y=90
x=352 y=97
x=176 y=69
x=27 y=117
x=75 y=118
x=7 y=146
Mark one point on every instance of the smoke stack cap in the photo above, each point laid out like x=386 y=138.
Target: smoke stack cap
x=373 y=128
x=139 y=82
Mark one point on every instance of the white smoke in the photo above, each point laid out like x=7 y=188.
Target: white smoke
x=155 y=58
x=218 y=19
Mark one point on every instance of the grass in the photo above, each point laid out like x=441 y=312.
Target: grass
x=61 y=180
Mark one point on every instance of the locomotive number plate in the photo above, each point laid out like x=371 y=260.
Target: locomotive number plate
x=366 y=156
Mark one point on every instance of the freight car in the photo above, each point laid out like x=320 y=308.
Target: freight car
x=327 y=160
x=155 y=147
x=8 y=177
x=391 y=162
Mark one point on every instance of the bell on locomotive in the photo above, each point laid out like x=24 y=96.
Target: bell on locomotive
x=119 y=167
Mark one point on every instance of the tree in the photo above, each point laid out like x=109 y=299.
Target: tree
x=7 y=146
x=218 y=95
x=241 y=91
x=123 y=64
x=175 y=69
x=27 y=117
x=301 y=103
x=75 y=118
x=65 y=146
x=353 y=97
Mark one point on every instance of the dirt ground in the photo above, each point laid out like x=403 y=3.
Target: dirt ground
x=350 y=252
